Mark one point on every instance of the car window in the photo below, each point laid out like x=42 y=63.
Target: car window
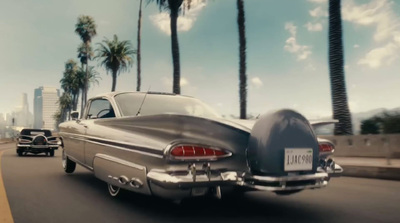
x=129 y=104
x=100 y=108
x=35 y=132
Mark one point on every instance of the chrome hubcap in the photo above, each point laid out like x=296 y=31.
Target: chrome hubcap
x=113 y=190
x=64 y=161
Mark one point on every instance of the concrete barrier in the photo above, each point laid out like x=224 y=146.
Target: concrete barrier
x=386 y=173
x=6 y=140
x=377 y=146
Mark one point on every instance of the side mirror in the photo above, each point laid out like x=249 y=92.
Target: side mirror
x=74 y=115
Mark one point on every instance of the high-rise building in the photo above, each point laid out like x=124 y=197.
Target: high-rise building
x=45 y=106
x=21 y=115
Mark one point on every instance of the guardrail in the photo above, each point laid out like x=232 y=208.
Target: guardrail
x=377 y=146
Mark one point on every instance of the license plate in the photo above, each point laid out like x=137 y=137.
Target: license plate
x=298 y=159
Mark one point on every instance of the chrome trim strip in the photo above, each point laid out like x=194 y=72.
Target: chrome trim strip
x=266 y=188
x=125 y=149
x=120 y=161
x=74 y=136
x=23 y=145
x=37 y=146
x=123 y=144
x=78 y=162
x=287 y=178
x=118 y=145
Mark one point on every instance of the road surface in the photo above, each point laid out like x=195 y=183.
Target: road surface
x=38 y=190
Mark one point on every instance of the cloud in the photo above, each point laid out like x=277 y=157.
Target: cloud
x=380 y=56
x=313 y=27
x=356 y=46
x=185 y=22
x=291 y=28
x=396 y=38
x=318 y=12
x=167 y=82
x=256 y=81
x=184 y=82
x=377 y=12
x=381 y=15
x=291 y=45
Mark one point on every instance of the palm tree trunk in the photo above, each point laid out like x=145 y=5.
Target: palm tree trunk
x=114 y=80
x=76 y=99
x=138 y=52
x=87 y=73
x=82 y=101
x=242 y=59
x=176 y=88
x=83 y=95
x=340 y=105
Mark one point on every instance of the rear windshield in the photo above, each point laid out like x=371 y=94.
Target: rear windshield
x=35 y=132
x=154 y=104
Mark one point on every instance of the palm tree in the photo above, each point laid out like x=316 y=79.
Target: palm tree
x=82 y=48
x=242 y=59
x=93 y=77
x=115 y=56
x=138 y=52
x=86 y=29
x=70 y=82
x=64 y=104
x=174 y=7
x=340 y=105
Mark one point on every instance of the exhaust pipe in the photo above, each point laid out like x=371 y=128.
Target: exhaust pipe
x=123 y=180
x=136 y=183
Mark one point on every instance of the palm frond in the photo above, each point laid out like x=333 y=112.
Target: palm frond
x=85 y=28
x=115 y=55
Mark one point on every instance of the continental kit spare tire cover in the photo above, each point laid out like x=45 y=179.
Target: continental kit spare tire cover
x=272 y=134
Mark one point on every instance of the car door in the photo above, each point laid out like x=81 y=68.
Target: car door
x=75 y=140
x=99 y=109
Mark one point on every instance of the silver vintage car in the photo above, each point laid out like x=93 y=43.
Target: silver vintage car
x=177 y=147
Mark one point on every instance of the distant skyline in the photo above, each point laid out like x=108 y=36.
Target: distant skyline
x=287 y=60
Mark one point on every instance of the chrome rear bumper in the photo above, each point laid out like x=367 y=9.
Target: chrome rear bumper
x=285 y=183
x=188 y=179
x=184 y=180
x=38 y=146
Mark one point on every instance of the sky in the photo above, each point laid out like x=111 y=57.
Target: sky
x=287 y=51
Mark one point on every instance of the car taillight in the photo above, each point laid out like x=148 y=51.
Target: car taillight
x=326 y=147
x=197 y=152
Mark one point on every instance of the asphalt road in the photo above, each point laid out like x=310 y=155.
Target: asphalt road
x=38 y=190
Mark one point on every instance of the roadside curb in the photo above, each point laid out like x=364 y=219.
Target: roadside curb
x=5 y=211
x=386 y=173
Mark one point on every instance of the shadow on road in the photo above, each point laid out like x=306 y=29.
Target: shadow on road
x=252 y=207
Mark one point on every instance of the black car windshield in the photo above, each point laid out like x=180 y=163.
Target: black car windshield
x=35 y=132
x=129 y=104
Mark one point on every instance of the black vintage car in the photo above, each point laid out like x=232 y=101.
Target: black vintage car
x=36 y=141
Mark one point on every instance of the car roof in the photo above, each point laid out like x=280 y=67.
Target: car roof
x=113 y=94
